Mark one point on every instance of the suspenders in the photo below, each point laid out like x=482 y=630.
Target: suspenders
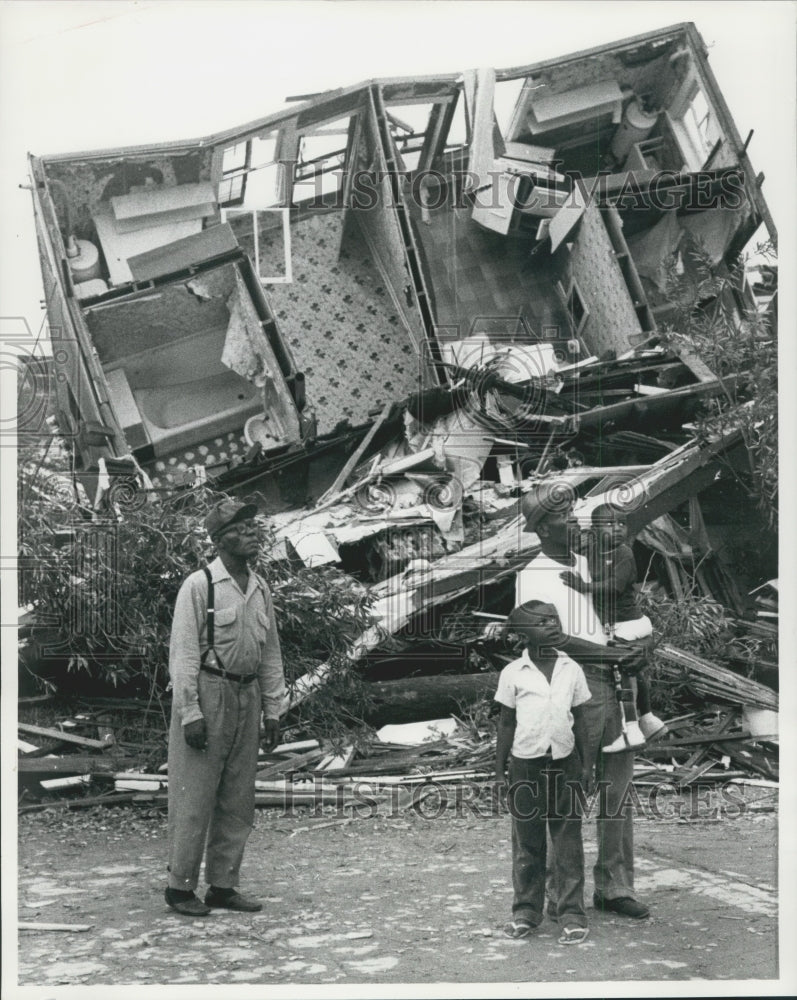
x=211 y=619
x=211 y=637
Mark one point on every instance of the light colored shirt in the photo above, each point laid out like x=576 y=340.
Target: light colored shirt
x=539 y=581
x=543 y=710
x=246 y=639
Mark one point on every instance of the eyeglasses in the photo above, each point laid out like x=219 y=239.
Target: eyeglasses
x=242 y=528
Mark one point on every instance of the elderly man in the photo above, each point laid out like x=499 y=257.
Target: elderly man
x=541 y=579
x=226 y=668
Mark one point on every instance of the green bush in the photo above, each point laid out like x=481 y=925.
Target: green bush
x=740 y=347
x=107 y=587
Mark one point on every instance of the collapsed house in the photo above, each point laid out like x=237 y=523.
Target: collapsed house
x=383 y=313
x=241 y=304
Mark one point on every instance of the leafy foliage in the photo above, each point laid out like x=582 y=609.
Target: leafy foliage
x=740 y=346
x=107 y=586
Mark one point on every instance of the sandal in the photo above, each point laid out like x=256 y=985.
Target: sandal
x=517 y=929
x=574 y=935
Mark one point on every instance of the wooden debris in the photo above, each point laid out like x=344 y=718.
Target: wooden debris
x=350 y=465
x=290 y=764
x=56 y=734
x=54 y=784
x=299 y=747
x=71 y=764
x=322 y=826
x=336 y=761
x=68 y=928
x=427 y=697
x=714 y=682
x=85 y=803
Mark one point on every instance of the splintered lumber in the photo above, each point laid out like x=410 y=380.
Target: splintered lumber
x=54 y=784
x=676 y=477
x=648 y=406
x=337 y=761
x=479 y=564
x=299 y=747
x=72 y=764
x=418 y=698
x=715 y=682
x=349 y=467
x=749 y=758
x=85 y=803
x=69 y=928
x=291 y=764
x=57 y=734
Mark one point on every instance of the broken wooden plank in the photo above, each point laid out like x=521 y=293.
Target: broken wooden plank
x=293 y=763
x=336 y=761
x=419 y=698
x=348 y=468
x=680 y=474
x=299 y=747
x=25 y=925
x=70 y=764
x=56 y=734
x=54 y=784
x=86 y=803
x=714 y=681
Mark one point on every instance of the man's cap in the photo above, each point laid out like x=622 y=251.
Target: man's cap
x=537 y=504
x=227 y=512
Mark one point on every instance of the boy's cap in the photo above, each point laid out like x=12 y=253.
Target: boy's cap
x=528 y=613
x=605 y=513
x=227 y=512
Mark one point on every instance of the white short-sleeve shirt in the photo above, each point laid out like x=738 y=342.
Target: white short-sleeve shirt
x=539 y=580
x=543 y=710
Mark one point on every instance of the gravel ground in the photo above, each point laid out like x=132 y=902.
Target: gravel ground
x=385 y=900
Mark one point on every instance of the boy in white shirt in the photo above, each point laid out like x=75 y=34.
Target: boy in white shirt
x=541 y=696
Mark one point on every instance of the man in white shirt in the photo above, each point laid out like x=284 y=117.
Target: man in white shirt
x=587 y=642
x=542 y=695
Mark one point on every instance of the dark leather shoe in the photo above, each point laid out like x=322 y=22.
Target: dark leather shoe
x=623 y=905
x=232 y=901
x=191 y=907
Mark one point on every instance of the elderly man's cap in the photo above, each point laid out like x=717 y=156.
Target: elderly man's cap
x=226 y=513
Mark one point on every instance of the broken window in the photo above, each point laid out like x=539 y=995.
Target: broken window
x=322 y=160
x=251 y=177
x=695 y=125
x=507 y=95
x=408 y=125
x=234 y=169
x=265 y=235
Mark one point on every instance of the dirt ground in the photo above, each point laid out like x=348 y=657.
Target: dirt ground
x=386 y=899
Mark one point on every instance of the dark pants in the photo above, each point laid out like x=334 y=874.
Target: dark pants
x=539 y=795
x=639 y=683
x=614 y=869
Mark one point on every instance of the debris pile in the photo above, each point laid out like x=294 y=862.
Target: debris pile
x=397 y=767
x=388 y=384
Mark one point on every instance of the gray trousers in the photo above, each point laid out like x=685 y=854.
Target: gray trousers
x=212 y=791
